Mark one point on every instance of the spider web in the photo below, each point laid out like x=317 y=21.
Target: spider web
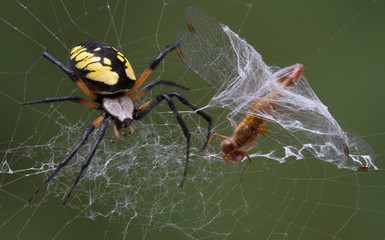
x=131 y=190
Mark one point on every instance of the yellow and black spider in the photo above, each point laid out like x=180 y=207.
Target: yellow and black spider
x=106 y=77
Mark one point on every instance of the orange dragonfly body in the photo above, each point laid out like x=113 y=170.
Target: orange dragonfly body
x=235 y=148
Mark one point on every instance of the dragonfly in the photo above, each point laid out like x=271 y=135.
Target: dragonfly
x=276 y=103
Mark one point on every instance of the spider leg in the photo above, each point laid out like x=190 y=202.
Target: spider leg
x=74 y=99
x=211 y=138
x=149 y=86
x=201 y=113
x=70 y=155
x=106 y=122
x=219 y=135
x=71 y=74
x=151 y=67
x=147 y=107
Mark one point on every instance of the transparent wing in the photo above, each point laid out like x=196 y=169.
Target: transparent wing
x=323 y=141
x=238 y=75
x=224 y=60
x=207 y=51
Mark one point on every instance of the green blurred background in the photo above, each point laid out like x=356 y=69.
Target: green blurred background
x=341 y=43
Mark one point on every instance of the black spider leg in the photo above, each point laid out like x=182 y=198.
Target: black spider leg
x=88 y=159
x=70 y=74
x=157 y=82
x=152 y=66
x=182 y=99
x=74 y=99
x=201 y=113
x=69 y=156
x=147 y=107
x=63 y=67
x=154 y=83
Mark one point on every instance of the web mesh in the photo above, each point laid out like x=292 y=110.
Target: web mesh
x=131 y=189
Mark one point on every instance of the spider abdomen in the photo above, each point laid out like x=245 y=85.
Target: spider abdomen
x=101 y=67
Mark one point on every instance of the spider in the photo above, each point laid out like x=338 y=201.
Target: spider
x=107 y=78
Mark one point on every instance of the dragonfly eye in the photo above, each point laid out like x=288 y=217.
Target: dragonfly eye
x=228 y=146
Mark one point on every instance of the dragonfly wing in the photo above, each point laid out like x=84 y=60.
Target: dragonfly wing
x=301 y=134
x=226 y=62
x=207 y=51
x=238 y=75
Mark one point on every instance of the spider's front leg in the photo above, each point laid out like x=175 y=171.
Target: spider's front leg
x=151 y=67
x=143 y=110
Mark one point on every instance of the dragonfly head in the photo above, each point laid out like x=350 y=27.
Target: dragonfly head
x=230 y=152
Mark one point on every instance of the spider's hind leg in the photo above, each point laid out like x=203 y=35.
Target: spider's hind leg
x=70 y=155
x=103 y=123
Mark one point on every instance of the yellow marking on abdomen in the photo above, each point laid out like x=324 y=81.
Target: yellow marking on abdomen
x=101 y=73
x=87 y=60
x=129 y=71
